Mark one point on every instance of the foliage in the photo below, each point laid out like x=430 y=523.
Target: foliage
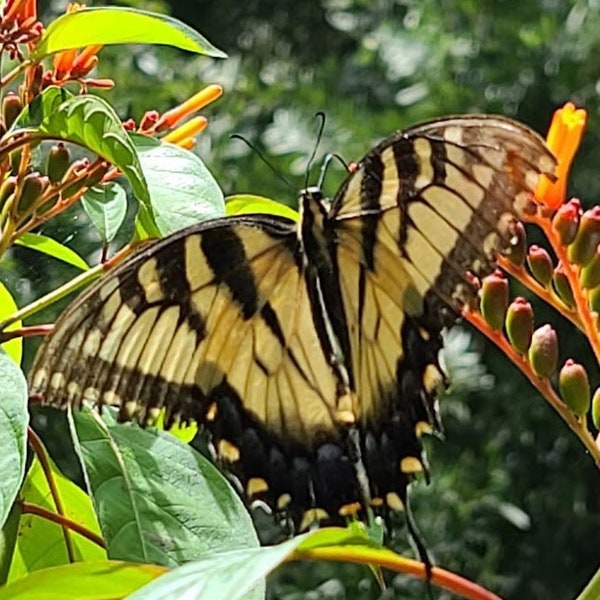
x=376 y=76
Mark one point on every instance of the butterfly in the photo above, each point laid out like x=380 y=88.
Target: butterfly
x=308 y=350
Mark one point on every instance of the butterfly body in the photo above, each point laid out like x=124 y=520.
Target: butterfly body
x=309 y=350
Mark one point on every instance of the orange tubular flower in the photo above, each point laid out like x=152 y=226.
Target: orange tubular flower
x=195 y=103
x=187 y=131
x=564 y=137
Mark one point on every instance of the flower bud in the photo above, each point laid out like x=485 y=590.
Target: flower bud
x=129 y=125
x=15 y=160
x=594 y=300
x=149 y=120
x=7 y=189
x=543 y=352
x=519 y=324
x=596 y=409
x=540 y=265
x=76 y=169
x=562 y=287
x=583 y=248
x=33 y=187
x=494 y=299
x=11 y=108
x=517 y=250
x=97 y=174
x=566 y=221
x=574 y=387
x=589 y=276
x=59 y=159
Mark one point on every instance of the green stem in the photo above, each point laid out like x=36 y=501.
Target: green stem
x=52 y=297
x=592 y=589
x=38 y=447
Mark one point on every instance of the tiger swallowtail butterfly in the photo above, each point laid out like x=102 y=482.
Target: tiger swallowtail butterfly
x=308 y=350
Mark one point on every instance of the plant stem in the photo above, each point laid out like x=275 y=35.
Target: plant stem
x=38 y=447
x=390 y=560
x=65 y=522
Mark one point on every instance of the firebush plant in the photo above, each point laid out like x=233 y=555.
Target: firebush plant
x=158 y=519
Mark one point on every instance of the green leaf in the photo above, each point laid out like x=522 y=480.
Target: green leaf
x=245 y=204
x=183 y=191
x=46 y=245
x=233 y=575
x=14 y=348
x=43 y=105
x=41 y=543
x=14 y=419
x=90 y=122
x=96 y=580
x=106 y=206
x=107 y=26
x=158 y=500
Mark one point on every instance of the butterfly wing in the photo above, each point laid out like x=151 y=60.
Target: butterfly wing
x=423 y=208
x=215 y=323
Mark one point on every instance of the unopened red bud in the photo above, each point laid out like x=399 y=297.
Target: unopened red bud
x=35 y=77
x=33 y=187
x=596 y=409
x=129 y=125
x=543 y=352
x=11 y=108
x=589 y=276
x=149 y=120
x=59 y=158
x=574 y=387
x=519 y=324
x=562 y=287
x=99 y=83
x=494 y=299
x=517 y=250
x=98 y=173
x=540 y=265
x=583 y=248
x=566 y=221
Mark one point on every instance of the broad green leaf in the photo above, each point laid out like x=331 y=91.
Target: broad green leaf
x=234 y=575
x=183 y=191
x=42 y=243
x=106 y=206
x=90 y=122
x=43 y=105
x=157 y=499
x=185 y=432
x=94 y=580
x=113 y=25
x=41 y=543
x=245 y=204
x=14 y=419
x=8 y=306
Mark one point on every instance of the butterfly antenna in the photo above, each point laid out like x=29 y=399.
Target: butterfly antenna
x=237 y=136
x=328 y=158
x=320 y=115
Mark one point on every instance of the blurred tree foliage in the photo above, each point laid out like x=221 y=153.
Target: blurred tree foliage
x=514 y=503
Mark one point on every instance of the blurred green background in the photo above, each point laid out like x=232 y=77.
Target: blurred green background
x=514 y=502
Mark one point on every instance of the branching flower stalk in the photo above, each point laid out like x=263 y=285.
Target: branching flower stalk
x=569 y=282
